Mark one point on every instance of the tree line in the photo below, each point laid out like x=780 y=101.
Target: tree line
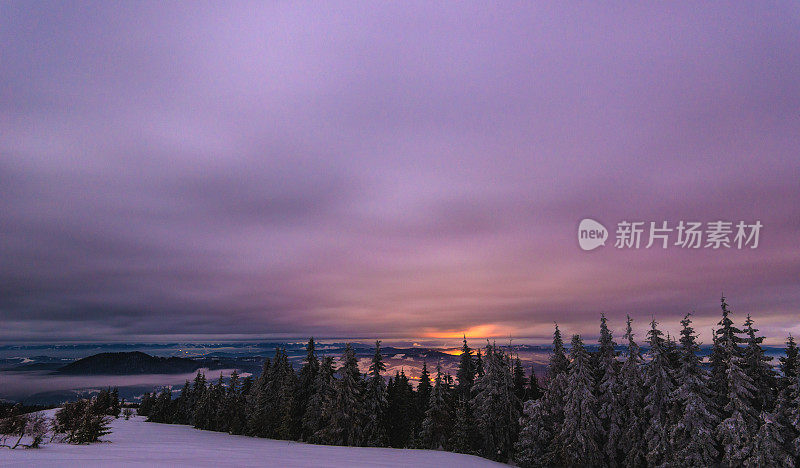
x=604 y=408
x=79 y=422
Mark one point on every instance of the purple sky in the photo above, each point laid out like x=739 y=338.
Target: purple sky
x=408 y=170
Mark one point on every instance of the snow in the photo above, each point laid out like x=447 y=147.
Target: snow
x=136 y=443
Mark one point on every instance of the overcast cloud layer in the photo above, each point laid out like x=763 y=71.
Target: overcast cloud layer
x=355 y=170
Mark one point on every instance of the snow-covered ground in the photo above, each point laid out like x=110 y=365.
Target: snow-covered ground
x=139 y=443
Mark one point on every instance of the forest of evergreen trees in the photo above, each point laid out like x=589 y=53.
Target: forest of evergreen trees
x=665 y=407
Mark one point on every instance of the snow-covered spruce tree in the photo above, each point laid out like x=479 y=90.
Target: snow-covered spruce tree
x=534 y=447
x=611 y=409
x=633 y=443
x=345 y=414
x=769 y=446
x=282 y=391
x=725 y=344
x=400 y=411
x=438 y=421
x=422 y=398
x=578 y=437
x=534 y=391
x=464 y=439
x=322 y=400
x=218 y=423
x=495 y=406
x=520 y=382
x=161 y=411
x=757 y=367
x=737 y=430
x=542 y=419
x=375 y=424
x=305 y=389
x=183 y=412
x=659 y=384
x=794 y=419
x=258 y=417
x=466 y=371
x=478 y=364
x=692 y=436
x=790 y=363
x=233 y=411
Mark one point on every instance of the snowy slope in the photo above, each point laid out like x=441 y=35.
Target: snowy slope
x=139 y=443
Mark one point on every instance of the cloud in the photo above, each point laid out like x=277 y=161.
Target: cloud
x=403 y=170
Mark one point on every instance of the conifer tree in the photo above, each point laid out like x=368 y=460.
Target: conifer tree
x=478 y=364
x=725 y=344
x=423 y=397
x=322 y=400
x=282 y=393
x=520 y=382
x=737 y=430
x=658 y=403
x=578 y=436
x=258 y=416
x=769 y=448
x=692 y=437
x=757 y=367
x=466 y=371
x=401 y=407
x=789 y=363
x=438 y=418
x=495 y=406
x=610 y=408
x=633 y=444
x=534 y=391
x=376 y=403
x=345 y=415
x=543 y=419
x=305 y=388
x=535 y=445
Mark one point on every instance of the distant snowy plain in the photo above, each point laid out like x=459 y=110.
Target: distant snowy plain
x=136 y=443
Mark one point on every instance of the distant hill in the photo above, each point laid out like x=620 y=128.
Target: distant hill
x=129 y=363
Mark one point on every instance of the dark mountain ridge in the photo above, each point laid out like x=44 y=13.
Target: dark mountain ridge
x=129 y=363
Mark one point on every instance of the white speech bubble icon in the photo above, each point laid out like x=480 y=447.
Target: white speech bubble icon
x=591 y=234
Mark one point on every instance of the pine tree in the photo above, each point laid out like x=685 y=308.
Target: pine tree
x=543 y=419
x=520 y=382
x=757 y=367
x=789 y=363
x=633 y=444
x=737 y=430
x=658 y=403
x=423 y=397
x=466 y=371
x=769 y=445
x=578 y=437
x=345 y=414
x=160 y=411
x=401 y=407
x=282 y=391
x=611 y=409
x=438 y=418
x=478 y=364
x=495 y=406
x=305 y=389
x=692 y=437
x=315 y=417
x=534 y=447
x=534 y=391
x=232 y=415
x=258 y=416
x=376 y=403
x=726 y=344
